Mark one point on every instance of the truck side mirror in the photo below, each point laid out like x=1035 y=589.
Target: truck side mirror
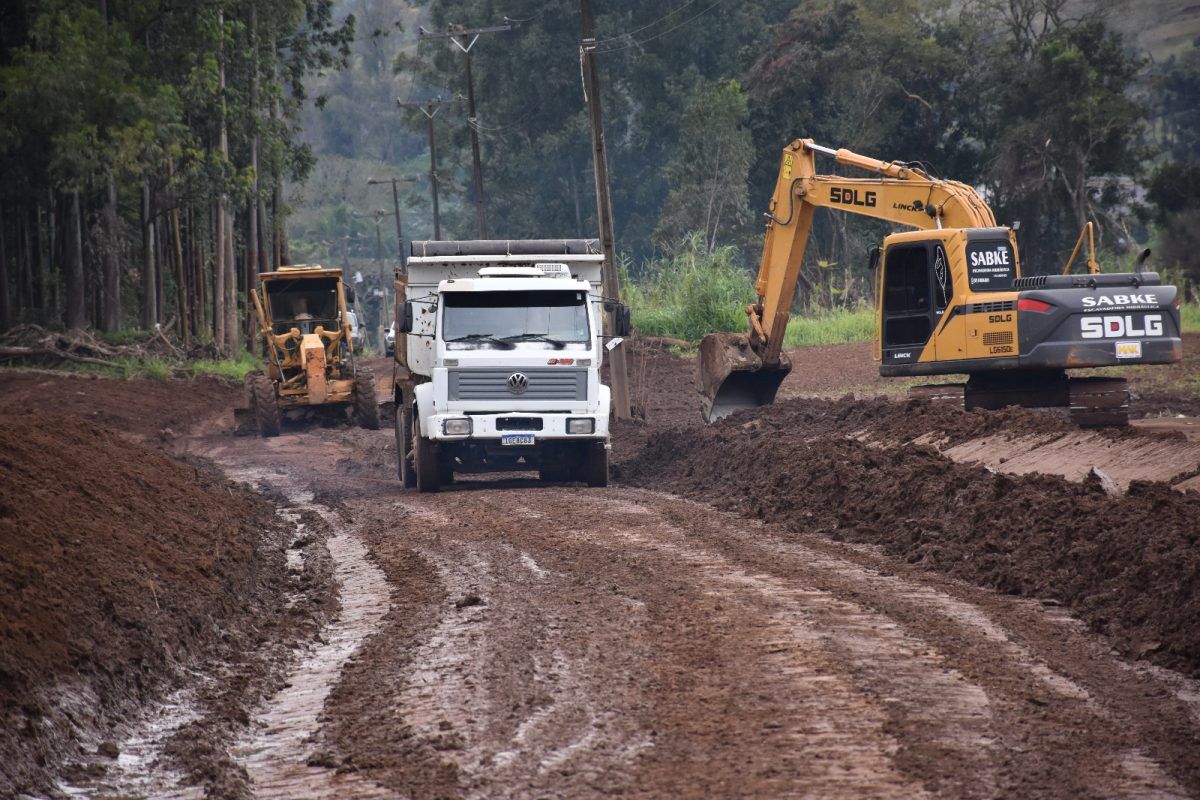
x=405 y=321
x=349 y=294
x=622 y=322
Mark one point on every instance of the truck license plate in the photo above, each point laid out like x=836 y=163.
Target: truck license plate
x=516 y=439
x=1129 y=349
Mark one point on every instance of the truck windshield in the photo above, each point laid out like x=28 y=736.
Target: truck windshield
x=500 y=319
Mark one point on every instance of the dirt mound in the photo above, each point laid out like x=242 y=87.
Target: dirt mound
x=148 y=409
x=119 y=566
x=1129 y=566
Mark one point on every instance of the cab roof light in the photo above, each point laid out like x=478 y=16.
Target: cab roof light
x=1029 y=304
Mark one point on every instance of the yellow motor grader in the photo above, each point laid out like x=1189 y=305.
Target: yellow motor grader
x=310 y=358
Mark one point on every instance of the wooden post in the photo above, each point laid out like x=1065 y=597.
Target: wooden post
x=618 y=372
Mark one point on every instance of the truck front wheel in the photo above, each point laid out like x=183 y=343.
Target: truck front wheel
x=404 y=442
x=593 y=470
x=425 y=458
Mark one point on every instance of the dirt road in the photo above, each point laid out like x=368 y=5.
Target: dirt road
x=563 y=642
x=505 y=638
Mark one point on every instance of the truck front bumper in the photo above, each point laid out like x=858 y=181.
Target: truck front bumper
x=493 y=428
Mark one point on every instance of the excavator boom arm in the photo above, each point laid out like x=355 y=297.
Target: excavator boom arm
x=901 y=194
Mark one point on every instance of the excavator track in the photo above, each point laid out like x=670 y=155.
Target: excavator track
x=950 y=393
x=1099 y=402
x=1092 y=402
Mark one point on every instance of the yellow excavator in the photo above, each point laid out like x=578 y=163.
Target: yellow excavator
x=949 y=300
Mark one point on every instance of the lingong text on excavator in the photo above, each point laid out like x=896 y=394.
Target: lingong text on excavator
x=950 y=299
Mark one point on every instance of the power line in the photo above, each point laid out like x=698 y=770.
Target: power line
x=668 y=15
x=636 y=42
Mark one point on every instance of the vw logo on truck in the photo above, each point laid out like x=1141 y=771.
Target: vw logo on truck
x=518 y=383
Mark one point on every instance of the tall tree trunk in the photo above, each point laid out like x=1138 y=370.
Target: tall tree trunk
x=149 y=279
x=254 y=248
x=24 y=271
x=76 y=306
x=181 y=293
x=5 y=304
x=218 y=291
x=41 y=289
x=54 y=251
x=233 y=334
x=111 y=316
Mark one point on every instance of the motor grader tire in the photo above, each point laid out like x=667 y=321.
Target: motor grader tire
x=366 y=402
x=425 y=463
x=593 y=470
x=404 y=444
x=266 y=406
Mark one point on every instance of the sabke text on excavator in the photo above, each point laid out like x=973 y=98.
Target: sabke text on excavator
x=949 y=300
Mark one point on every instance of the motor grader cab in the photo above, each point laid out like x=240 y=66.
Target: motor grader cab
x=310 y=358
x=949 y=299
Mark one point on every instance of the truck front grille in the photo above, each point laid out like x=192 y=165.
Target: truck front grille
x=539 y=384
x=518 y=423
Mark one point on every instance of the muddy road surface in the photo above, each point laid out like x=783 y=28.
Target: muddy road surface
x=508 y=639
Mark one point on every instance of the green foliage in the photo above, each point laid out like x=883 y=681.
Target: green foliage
x=233 y=369
x=839 y=326
x=707 y=175
x=1189 y=314
x=690 y=292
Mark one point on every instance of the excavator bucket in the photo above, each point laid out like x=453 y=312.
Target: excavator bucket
x=733 y=376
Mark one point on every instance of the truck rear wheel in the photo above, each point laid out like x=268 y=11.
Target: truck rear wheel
x=425 y=461
x=266 y=406
x=594 y=468
x=366 y=402
x=404 y=441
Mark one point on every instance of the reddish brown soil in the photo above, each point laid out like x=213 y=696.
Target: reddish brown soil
x=1129 y=566
x=118 y=567
x=664 y=383
x=560 y=641
x=148 y=409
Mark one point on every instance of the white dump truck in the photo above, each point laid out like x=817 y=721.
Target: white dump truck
x=497 y=361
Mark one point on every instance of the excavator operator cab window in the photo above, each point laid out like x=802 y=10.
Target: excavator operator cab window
x=907 y=305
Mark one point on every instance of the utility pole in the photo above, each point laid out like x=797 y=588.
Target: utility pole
x=464 y=39
x=618 y=372
x=396 y=210
x=430 y=109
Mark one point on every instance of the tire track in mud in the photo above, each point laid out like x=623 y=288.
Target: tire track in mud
x=1076 y=710
x=634 y=643
x=276 y=754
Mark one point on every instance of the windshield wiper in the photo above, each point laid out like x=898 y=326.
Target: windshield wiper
x=483 y=337
x=559 y=344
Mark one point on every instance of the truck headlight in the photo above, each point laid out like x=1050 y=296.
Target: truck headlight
x=581 y=425
x=457 y=427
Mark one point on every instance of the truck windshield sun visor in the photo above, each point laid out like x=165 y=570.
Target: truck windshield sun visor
x=500 y=319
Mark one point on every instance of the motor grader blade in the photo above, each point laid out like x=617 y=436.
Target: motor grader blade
x=733 y=376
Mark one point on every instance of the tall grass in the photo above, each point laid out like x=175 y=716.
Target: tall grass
x=1189 y=314
x=838 y=326
x=689 y=292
